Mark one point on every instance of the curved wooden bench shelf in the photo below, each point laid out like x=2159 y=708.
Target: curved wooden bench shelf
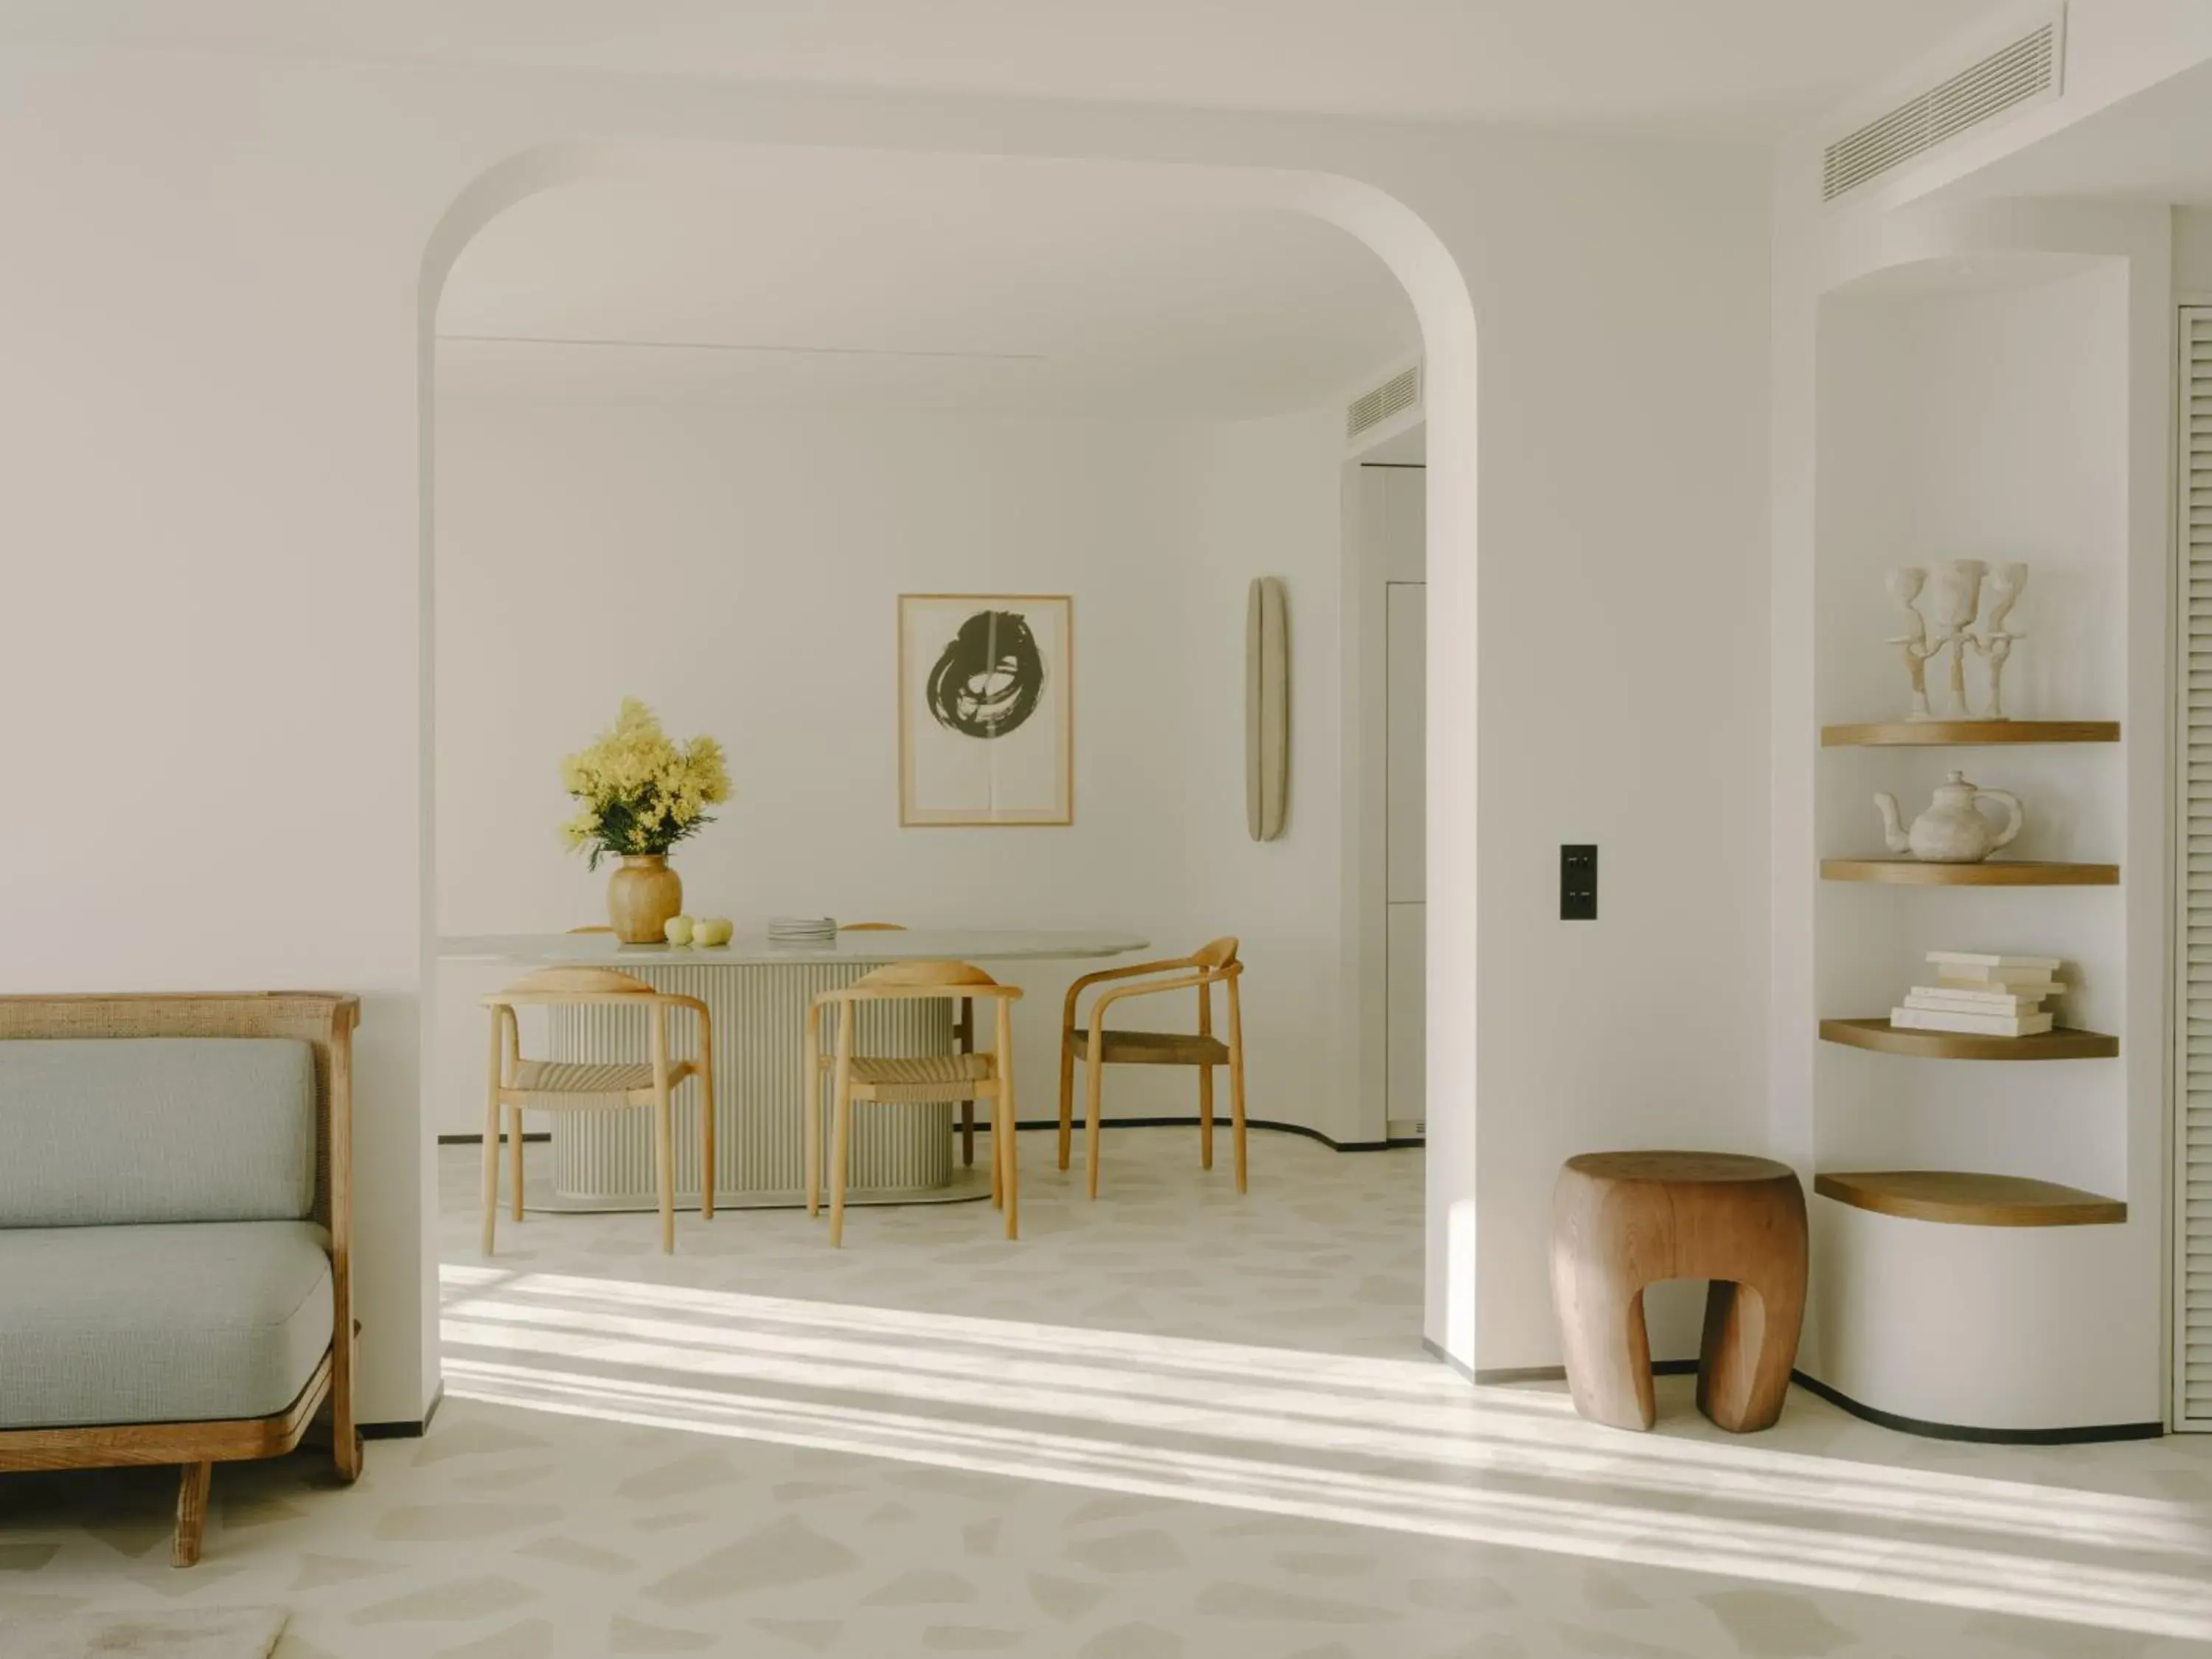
x=2062 y=1042
x=1962 y=1198
x=1992 y=872
x=1923 y=734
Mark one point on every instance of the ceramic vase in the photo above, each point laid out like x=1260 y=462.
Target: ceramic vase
x=641 y=896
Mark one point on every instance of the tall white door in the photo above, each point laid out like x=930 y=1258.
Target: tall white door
x=1407 y=808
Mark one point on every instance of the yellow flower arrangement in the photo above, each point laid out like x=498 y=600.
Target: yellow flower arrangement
x=640 y=791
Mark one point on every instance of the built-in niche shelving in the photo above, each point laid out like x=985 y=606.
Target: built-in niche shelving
x=1990 y=872
x=1966 y=414
x=1931 y=734
x=1961 y=1198
x=2060 y=1042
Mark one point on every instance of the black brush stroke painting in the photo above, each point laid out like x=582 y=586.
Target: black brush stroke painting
x=989 y=679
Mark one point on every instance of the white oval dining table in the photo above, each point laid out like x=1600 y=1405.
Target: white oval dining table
x=758 y=992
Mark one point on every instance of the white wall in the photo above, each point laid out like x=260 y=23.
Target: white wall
x=740 y=572
x=211 y=311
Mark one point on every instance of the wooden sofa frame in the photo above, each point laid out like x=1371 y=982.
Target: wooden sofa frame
x=325 y=1023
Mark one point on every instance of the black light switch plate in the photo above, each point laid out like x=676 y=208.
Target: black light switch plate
x=1578 y=883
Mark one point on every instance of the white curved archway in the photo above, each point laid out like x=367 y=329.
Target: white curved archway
x=1438 y=291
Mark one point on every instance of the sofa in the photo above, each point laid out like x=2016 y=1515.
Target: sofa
x=175 y=1220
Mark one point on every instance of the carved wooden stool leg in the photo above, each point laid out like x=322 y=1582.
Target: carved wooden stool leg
x=1751 y=1341
x=1608 y=1353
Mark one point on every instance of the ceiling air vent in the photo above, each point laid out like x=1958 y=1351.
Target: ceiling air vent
x=1394 y=397
x=2025 y=69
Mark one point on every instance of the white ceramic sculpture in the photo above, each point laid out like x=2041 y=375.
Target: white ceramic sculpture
x=1954 y=830
x=1994 y=644
x=1955 y=598
x=1904 y=585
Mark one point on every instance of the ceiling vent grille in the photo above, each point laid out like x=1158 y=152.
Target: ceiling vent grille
x=1394 y=397
x=2013 y=74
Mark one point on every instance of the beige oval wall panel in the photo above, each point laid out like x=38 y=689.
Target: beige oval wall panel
x=1267 y=709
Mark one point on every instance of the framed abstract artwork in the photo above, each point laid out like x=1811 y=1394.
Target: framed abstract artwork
x=987 y=708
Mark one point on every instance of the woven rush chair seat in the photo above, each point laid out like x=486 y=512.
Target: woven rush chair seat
x=555 y=1084
x=1155 y=1048
x=957 y=1069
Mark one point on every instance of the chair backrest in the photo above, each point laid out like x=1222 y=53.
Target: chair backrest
x=922 y=979
x=554 y=985
x=1215 y=953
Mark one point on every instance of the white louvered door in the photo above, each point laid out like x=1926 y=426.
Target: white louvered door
x=2192 y=1406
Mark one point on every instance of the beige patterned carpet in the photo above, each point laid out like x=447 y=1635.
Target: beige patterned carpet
x=1169 y=1425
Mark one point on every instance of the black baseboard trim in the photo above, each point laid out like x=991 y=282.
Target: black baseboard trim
x=1052 y=1123
x=2090 y=1434
x=1221 y=1122
x=405 y=1429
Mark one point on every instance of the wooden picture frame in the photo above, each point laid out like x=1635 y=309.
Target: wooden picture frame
x=977 y=671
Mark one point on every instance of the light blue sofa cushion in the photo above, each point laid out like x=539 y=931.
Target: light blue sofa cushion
x=104 y=1131
x=178 y=1323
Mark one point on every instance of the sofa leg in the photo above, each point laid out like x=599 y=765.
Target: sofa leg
x=191 y=1512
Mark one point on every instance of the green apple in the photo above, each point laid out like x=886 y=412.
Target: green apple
x=680 y=929
x=712 y=930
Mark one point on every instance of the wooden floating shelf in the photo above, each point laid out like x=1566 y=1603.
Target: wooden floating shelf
x=1994 y=872
x=1922 y=734
x=1960 y=1199
x=2061 y=1042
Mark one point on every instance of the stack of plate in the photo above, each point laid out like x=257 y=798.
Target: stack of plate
x=790 y=931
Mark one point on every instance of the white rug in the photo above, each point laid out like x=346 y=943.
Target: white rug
x=229 y=1633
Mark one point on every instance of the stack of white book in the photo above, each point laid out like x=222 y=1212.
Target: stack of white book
x=1982 y=995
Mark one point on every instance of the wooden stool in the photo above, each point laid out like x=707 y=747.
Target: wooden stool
x=1623 y=1220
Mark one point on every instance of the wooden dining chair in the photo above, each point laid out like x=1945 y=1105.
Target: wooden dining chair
x=564 y=1086
x=965 y=1077
x=1098 y=1047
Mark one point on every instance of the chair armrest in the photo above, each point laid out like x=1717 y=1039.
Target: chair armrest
x=1067 y=1010
x=1188 y=981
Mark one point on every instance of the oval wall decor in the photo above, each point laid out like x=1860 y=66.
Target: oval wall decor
x=1267 y=709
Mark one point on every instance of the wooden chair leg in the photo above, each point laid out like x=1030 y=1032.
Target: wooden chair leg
x=1206 y=1117
x=664 y=1167
x=841 y=1130
x=1066 y=1094
x=1236 y=1079
x=1607 y=1349
x=968 y=1134
x=514 y=1160
x=998 y=1163
x=191 y=1513
x=811 y=1128
x=706 y=1123
x=1002 y=1151
x=491 y=1140
x=1090 y=1091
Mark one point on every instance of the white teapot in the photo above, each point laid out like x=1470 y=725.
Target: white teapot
x=1954 y=831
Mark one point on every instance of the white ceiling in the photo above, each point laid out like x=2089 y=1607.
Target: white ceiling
x=822 y=279
x=1746 y=68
